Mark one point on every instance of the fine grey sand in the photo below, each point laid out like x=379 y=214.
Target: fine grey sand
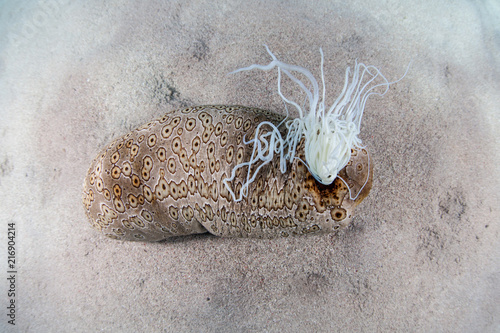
x=422 y=253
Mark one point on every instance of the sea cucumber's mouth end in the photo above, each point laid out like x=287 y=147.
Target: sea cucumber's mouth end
x=328 y=181
x=325 y=180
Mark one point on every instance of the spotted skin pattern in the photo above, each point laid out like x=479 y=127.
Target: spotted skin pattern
x=165 y=179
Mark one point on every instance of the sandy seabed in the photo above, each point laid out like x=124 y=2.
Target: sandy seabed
x=422 y=254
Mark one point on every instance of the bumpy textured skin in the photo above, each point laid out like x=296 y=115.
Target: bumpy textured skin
x=164 y=179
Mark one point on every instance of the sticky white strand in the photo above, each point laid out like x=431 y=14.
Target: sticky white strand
x=362 y=187
x=263 y=150
x=329 y=135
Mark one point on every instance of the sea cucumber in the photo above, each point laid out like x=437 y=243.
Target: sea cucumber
x=166 y=179
x=237 y=171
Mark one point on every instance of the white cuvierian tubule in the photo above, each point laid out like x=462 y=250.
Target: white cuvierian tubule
x=329 y=134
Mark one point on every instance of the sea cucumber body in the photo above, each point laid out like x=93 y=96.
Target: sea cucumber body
x=165 y=179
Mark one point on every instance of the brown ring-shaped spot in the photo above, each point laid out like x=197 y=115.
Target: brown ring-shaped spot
x=183 y=154
x=206 y=135
x=238 y=122
x=247 y=124
x=239 y=155
x=126 y=169
x=92 y=178
x=115 y=172
x=211 y=149
x=314 y=228
x=229 y=154
x=119 y=232
x=232 y=219
x=99 y=184
x=192 y=160
x=254 y=199
x=176 y=145
x=188 y=213
x=338 y=214
x=126 y=224
x=253 y=221
x=223 y=214
x=119 y=206
x=223 y=139
x=218 y=129
x=162 y=154
x=176 y=121
x=137 y=221
x=173 y=212
x=171 y=165
x=115 y=157
x=148 y=194
x=134 y=150
x=152 y=140
x=145 y=174
x=163 y=119
x=190 y=124
x=174 y=191
x=207 y=121
x=166 y=131
x=162 y=190
x=105 y=209
x=214 y=191
x=141 y=199
x=112 y=236
x=117 y=190
x=191 y=184
x=183 y=190
x=209 y=212
x=147 y=163
x=136 y=182
x=106 y=194
x=196 y=144
x=132 y=200
x=146 y=215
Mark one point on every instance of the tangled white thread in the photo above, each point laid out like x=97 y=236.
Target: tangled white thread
x=329 y=134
